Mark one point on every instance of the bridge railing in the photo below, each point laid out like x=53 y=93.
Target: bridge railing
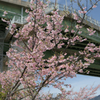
x=18 y=20
x=72 y=10
x=22 y=19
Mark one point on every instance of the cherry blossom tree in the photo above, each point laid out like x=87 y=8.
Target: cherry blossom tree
x=30 y=66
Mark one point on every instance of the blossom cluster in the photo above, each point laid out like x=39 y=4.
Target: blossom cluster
x=37 y=58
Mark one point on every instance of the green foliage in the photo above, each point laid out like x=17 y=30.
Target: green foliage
x=2 y=95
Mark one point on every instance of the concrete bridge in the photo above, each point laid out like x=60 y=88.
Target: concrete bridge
x=16 y=13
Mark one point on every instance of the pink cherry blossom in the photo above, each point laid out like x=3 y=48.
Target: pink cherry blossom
x=72 y=31
x=83 y=12
x=77 y=26
x=5 y=13
x=80 y=32
x=79 y=21
x=66 y=30
x=40 y=56
x=94 y=6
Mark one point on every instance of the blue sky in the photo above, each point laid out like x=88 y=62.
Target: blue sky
x=81 y=80
x=78 y=82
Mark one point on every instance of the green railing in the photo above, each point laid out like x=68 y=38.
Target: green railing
x=60 y=7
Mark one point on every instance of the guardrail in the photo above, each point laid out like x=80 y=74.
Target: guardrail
x=18 y=20
x=22 y=19
x=71 y=10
